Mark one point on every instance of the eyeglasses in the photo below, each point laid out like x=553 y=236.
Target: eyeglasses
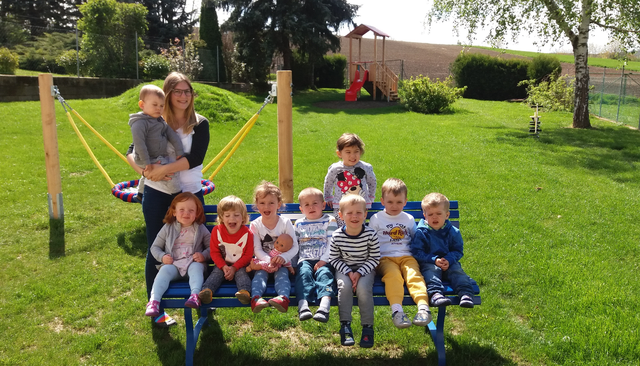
x=181 y=92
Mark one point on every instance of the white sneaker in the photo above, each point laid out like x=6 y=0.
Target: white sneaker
x=422 y=318
x=400 y=320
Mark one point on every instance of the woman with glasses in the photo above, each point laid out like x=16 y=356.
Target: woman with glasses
x=193 y=130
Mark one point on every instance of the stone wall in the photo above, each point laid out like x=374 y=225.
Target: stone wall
x=25 y=88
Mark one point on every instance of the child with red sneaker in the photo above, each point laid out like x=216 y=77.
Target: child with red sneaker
x=182 y=246
x=266 y=229
x=231 y=250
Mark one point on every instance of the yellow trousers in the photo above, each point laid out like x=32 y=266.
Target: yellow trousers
x=394 y=271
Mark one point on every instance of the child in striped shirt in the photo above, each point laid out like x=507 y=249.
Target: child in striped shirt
x=354 y=252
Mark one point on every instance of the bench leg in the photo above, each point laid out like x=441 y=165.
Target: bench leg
x=437 y=335
x=191 y=343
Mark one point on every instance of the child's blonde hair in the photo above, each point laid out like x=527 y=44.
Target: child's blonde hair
x=350 y=139
x=435 y=199
x=352 y=199
x=170 y=217
x=232 y=203
x=394 y=186
x=310 y=192
x=151 y=89
x=264 y=189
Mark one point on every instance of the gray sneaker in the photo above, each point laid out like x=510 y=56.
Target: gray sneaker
x=422 y=318
x=466 y=301
x=400 y=320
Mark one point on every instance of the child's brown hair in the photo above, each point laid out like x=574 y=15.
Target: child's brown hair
x=232 y=203
x=435 y=199
x=310 y=192
x=394 y=186
x=264 y=189
x=170 y=217
x=150 y=89
x=350 y=139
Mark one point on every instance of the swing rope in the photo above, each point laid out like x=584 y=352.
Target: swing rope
x=235 y=141
x=234 y=144
x=84 y=142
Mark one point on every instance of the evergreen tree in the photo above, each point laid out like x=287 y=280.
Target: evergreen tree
x=263 y=28
x=42 y=13
x=167 y=20
x=211 y=55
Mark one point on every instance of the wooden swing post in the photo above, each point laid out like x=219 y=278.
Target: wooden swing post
x=285 y=135
x=52 y=164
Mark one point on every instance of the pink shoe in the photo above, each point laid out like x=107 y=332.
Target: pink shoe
x=193 y=301
x=152 y=308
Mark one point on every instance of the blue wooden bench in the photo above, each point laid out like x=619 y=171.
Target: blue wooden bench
x=178 y=292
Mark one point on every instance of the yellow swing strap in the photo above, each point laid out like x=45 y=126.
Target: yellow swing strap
x=86 y=146
x=99 y=135
x=237 y=139
x=84 y=143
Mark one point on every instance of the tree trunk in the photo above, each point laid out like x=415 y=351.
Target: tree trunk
x=581 y=56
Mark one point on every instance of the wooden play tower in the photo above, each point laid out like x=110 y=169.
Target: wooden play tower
x=374 y=76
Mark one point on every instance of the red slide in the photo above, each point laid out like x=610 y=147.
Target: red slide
x=351 y=95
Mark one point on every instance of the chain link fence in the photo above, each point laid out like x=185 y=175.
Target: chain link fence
x=59 y=51
x=615 y=95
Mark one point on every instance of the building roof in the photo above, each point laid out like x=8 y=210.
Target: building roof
x=363 y=29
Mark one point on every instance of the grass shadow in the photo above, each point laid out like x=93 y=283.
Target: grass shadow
x=134 y=243
x=170 y=351
x=607 y=151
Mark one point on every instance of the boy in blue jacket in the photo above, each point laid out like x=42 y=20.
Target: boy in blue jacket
x=437 y=246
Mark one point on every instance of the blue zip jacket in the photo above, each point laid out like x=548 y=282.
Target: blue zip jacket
x=429 y=244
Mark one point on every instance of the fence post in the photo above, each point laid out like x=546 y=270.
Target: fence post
x=620 y=93
x=602 y=91
x=77 y=52
x=137 y=72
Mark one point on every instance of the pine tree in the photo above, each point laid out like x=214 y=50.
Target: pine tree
x=211 y=55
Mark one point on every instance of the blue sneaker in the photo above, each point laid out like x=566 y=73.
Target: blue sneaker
x=346 y=334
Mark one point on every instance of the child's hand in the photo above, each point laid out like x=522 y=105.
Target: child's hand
x=319 y=265
x=254 y=266
x=442 y=263
x=167 y=259
x=354 y=276
x=330 y=204
x=198 y=257
x=229 y=272
x=278 y=260
x=292 y=270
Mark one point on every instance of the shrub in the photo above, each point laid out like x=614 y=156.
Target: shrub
x=553 y=95
x=330 y=72
x=69 y=61
x=425 y=96
x=185 y=60
x=8 y=61
x=544 y=67
x=41 y=53
x=155 y=67
x=489 y=78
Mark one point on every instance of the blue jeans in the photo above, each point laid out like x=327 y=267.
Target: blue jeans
x=282 y=283
x=155 y=205
x=433 y=276
x=311 y=285
x=169 y=273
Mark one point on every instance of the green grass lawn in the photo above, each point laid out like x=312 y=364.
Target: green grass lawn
x=549 y=225
x=568 y=58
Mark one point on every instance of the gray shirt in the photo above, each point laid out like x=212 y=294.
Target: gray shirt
x=150 y=137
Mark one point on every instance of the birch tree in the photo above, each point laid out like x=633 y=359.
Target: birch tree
x=552 y=21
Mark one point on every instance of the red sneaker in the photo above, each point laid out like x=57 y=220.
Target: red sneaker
x=257 y=304
x=281 y=303
x=152 y=308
